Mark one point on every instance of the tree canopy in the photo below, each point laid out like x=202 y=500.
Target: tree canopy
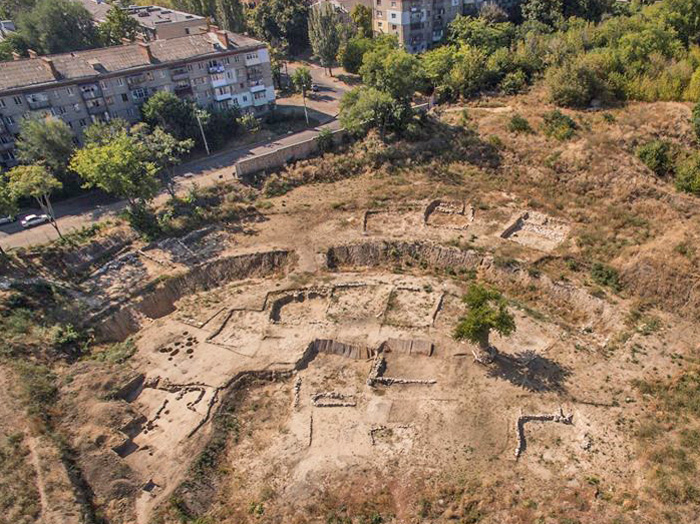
x=47 y=141
x=117 y=25
x=324 y=33
x=57 y=26
x=392 y=70
x=282 y=22
x=487 y=312
x=361 y=17
x=35 y=181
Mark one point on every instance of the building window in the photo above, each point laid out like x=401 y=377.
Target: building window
x=18 y=100
x=69 y=90
x=149 y=76
x=379 y=2
x=120 y=81
x=227 y=60
x=259 y=95
x=103 y=84
x=380 y=14
x=5 y=139
x=2 y=103
x=393 y=4
x=162 y=74
x=236 y=58
x=109 y=100
x=189 y=67
x=379 y=24
x=393 y=15
x=76 y=107
x=393 y=26
x=83 y=122
x=130 y=112
x=125 y=97
x=187 y=30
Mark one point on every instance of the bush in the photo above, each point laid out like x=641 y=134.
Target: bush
x=695 y=119
x=656 y=155
x=688 y=174
x=324 y=140
x=514 y=82
x=558 y=125
x=519 y=124
x=606 y=276
x=144 y=221
x=275 y=185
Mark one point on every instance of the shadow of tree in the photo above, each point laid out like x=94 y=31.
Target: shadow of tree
x=530 y=371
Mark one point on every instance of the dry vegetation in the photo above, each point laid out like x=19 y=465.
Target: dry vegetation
x=606 y=306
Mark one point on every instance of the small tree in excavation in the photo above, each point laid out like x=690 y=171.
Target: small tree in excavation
x=324 y=34
x=34 y=181
x=487 y=312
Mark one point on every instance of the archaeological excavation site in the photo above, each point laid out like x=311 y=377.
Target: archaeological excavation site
x=303 y=362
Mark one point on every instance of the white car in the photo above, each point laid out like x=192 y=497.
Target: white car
x=7 y=220
x=34 y=220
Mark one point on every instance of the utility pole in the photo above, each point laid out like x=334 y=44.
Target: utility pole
x=201 y=130
x=303 y=95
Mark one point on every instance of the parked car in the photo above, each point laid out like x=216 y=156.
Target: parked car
x=34 y=220
x=7 y=220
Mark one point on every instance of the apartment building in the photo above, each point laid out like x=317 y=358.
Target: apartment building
x=216 y=69
x=420 y=24
x=155 y=22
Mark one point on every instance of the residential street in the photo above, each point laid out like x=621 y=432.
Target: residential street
x=93 y=207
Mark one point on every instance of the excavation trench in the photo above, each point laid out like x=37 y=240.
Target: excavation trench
x=158 y=298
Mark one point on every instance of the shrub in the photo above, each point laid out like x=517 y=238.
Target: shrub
x=558 y=125
x=144 y=221
x=606 y=276
x=573 y=85
x=519 y=124
x=276 y=185
x=514 y=82
x=324 y=140
x=695 y=119
x=656 y=155
x=688 y=174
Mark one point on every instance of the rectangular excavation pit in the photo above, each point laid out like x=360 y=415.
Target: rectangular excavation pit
x=358 y=302
x=394 y=222
x=449 y=214
x=305 y=306
x=412 y=307
x=536 y=230
x=241 y=329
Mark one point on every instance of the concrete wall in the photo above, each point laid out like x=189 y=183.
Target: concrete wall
x=279 y=157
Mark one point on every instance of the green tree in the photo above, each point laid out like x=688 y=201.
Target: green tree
x=230 y=16
x=8 y=202
x=695 y=120
x=361 y=17
x=166 y=152
x=688 y=174
x=121 y=167
x=438 y=64
x=117 y=25
x=174 y=115
x=324 y=33
x=394 y=71
x=547 y=12
x=352 y=53
x=301 y=80
x=656 y=155
x=13 y=43
x=47 y=141
x=493 y=13
x=282 y=21
x=365 y=108
x=470 y=73
x=35 y=181
x=58 y=26
x=101 y=133
x=487 y=312
x=480 y=33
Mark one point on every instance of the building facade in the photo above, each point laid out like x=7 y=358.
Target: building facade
x=216 y=70
x=420 y=24
x=154 y=21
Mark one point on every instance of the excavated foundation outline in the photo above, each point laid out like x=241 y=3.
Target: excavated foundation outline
x=524 y=419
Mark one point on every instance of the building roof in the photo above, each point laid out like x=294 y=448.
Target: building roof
x=152 y=15
x=147 y=15
x=19 y=74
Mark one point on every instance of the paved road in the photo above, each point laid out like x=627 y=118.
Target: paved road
x=94 y=207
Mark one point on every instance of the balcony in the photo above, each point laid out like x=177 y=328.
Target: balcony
x=38 y=101
x=179 y=74
x=97 y=109
x=9 y=144
x=90 y=92
x=222 y=96
x=256 y=83
x=135 y=80
x=183 y=91
x=260 y=100
x=216 y=68
x=219 y=80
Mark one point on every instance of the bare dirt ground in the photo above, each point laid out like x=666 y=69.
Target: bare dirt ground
x=302 y=368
